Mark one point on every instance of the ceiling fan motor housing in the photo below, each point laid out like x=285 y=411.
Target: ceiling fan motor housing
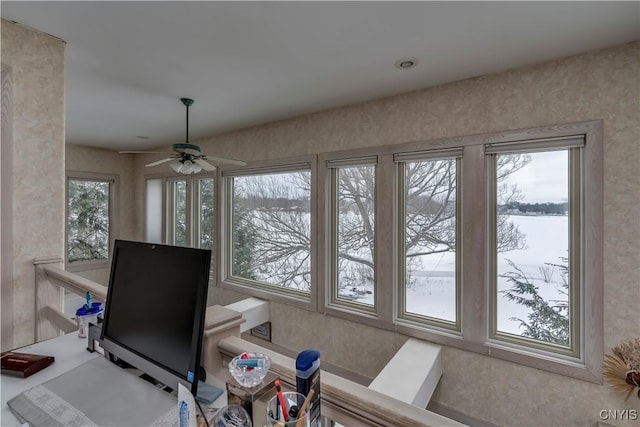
x=185 y=148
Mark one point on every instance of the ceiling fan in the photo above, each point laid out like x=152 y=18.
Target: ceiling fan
x=187 y=158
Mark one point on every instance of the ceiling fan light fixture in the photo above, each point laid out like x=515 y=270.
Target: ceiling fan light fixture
x=185 y=166
x=188 y=167
x=176 y=165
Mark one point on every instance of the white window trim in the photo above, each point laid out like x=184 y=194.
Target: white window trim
x=114 y=213
x=223 y=242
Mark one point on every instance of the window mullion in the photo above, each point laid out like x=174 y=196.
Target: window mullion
x=473 y=245
x=385 y=278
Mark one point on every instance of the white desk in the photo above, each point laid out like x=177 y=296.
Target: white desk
x=69 y=352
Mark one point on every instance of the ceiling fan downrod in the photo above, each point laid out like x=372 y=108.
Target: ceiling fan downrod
x=188 y=102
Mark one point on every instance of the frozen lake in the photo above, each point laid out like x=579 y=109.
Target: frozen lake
x=432 y=288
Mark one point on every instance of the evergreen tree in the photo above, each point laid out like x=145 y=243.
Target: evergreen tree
x=88 y=216
x=244 y=242
x=548 y=321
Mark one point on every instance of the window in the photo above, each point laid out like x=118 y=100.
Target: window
x=90 y=228
x=177 y=233
x=153 y=210
x=535 y=239
x=180 y=211
x=353 y=231
x=429 y=284
x=204 y=214
x=269 y=228
x=489 y=243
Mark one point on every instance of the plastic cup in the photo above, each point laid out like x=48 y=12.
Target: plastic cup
x=274 y=411
x=84 y=317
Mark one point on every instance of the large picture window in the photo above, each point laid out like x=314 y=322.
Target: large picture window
x=269 y=226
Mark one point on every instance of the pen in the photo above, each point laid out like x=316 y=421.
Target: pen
x=300 y=422
x=283 y=405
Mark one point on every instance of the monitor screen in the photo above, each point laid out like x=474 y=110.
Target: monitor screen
x=156 y=303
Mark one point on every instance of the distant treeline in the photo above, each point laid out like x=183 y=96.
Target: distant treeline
x=535 y=208
x=279 y=203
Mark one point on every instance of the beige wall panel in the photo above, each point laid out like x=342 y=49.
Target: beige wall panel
x=474 y=399
x=37 y=61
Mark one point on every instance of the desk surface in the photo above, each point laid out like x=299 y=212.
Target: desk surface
x=69 y=352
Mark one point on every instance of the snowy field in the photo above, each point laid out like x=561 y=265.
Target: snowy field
x=432 y=289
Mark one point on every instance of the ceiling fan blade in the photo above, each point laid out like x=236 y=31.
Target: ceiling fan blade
x=205 y=165
x=144 y=152
x=159 y=162
x=225 y=160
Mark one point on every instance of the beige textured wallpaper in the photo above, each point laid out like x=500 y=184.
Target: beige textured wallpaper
x=88 y=159
x=600 y=85
x=37 y=63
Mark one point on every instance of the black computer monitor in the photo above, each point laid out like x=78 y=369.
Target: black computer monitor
x=155 y=309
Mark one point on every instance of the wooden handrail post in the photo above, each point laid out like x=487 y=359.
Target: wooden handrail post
x=47 y=295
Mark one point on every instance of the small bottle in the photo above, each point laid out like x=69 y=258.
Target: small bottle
x=308 y=378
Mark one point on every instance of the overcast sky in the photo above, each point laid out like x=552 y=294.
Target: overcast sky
x=545 y=179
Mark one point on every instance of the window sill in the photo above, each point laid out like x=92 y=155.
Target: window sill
x=297 y=299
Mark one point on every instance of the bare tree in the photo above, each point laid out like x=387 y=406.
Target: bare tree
x=280 y=210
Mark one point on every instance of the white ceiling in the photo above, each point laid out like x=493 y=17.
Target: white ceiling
x=246 y=63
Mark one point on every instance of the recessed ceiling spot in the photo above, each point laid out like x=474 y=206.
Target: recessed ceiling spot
x=406 y=63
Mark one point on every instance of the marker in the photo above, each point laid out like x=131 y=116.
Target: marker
x=89 y=304
x=283 y=405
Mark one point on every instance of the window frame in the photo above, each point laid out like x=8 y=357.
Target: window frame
x=401 y=159
x=196 y=210
x=114 y=185
x=333 y=236
x=170 y=209
x=575 y=168
x=225 y=278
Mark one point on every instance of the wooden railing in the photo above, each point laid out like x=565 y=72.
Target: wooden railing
x=51 y=280
x=342 y=401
